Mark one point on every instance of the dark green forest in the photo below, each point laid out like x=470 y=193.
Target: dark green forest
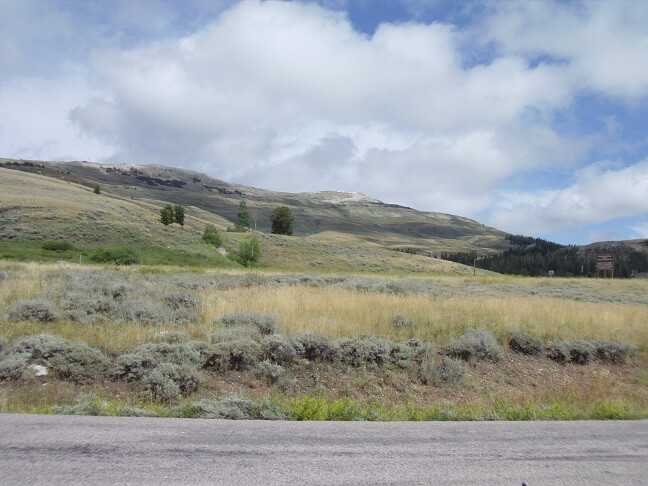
x=536 y=257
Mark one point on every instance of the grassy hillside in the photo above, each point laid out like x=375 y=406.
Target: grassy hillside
x=389 y=225
x=35 y=207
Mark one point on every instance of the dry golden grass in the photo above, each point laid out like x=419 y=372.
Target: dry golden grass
x=339 y=312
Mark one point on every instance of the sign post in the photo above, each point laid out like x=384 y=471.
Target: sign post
x=605 y=263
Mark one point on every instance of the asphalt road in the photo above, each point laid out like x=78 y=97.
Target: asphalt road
x=37 y=449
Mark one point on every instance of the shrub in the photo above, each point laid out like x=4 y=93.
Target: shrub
x=421 y=350
x=4 y=276
x=117 y=256
x=40 y=346
x=134 y=365
x=315 y=347
x=270 y=371
x=212 y=236
x=249 y=252
x=54 y=245
x=4 y=344
x=368 y=351
x=475 y=345
x=402 y=321
x=178 y=214
x=13 y=366
x=281 y=349
x=265 y=323
x=612 y=352
x=169 y=381
x=524 y=343
x=429 y=372
x=79 y=363
x=237 y=354
x=181 y=301
x=452 y=370
x=166 y=215
x=235 y=408
x=576 y=351
x=402 y=355
x=39 y=310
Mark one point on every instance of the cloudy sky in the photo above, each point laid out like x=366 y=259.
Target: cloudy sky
x=528 y=116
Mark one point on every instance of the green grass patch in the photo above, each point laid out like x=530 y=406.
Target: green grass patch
x=35 y=251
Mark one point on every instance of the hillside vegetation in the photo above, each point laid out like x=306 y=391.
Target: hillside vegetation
x=35 y=208
x=235 y=344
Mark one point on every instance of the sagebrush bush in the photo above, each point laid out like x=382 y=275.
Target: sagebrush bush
x=134 y=365
x=429 y=372
x=315 y=347
x=181 y=300
x=282 y=349
x=367 y=351
x=612 y=352
x=270 y=371
x=14 y=365
x=4 y=344
x=402 y=321
x=575 y=351
x=452 y=370
x=421 y=350
x=525 y=343
x=79 y=363
x=230 y=408
x=4 y=276
x=94 y=297
x=169 y=381
x=475 y=344
x=236 y=354
x=265 y=323
x=39 y=310
x=39 y=347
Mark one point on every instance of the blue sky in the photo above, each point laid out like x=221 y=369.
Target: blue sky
x=527 y=116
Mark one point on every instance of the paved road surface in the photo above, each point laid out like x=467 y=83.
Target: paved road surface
x=38 y=449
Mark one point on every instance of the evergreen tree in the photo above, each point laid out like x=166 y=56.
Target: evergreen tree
x=97 y=189
x=243 y=217
x=166 y=215
x=178 y=214
x=282 y=220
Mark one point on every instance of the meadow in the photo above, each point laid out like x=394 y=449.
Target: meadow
x=392 y=344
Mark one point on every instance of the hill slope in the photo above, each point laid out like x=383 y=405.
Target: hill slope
x=391 y=226
x=35 y=207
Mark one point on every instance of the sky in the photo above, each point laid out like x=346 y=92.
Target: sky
x=529 y=116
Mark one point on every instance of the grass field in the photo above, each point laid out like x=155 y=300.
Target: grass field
x=441 y=308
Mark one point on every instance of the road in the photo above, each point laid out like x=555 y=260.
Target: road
x=36 y=449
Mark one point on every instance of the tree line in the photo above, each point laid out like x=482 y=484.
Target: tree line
x=536 y=257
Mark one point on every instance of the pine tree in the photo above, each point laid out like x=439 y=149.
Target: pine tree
x=178 y=214
x=166 y=215
x=97 y=189
x=243 y=217
x=282 y=220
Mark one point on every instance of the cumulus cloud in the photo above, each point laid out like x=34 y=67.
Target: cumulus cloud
x=291 y=96
x=600 y=193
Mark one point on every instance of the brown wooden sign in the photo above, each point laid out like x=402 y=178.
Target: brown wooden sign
x=605 y=263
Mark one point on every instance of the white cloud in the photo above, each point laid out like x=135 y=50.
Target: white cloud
x=599 y=194
x=604 y=44
x=289 y=96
